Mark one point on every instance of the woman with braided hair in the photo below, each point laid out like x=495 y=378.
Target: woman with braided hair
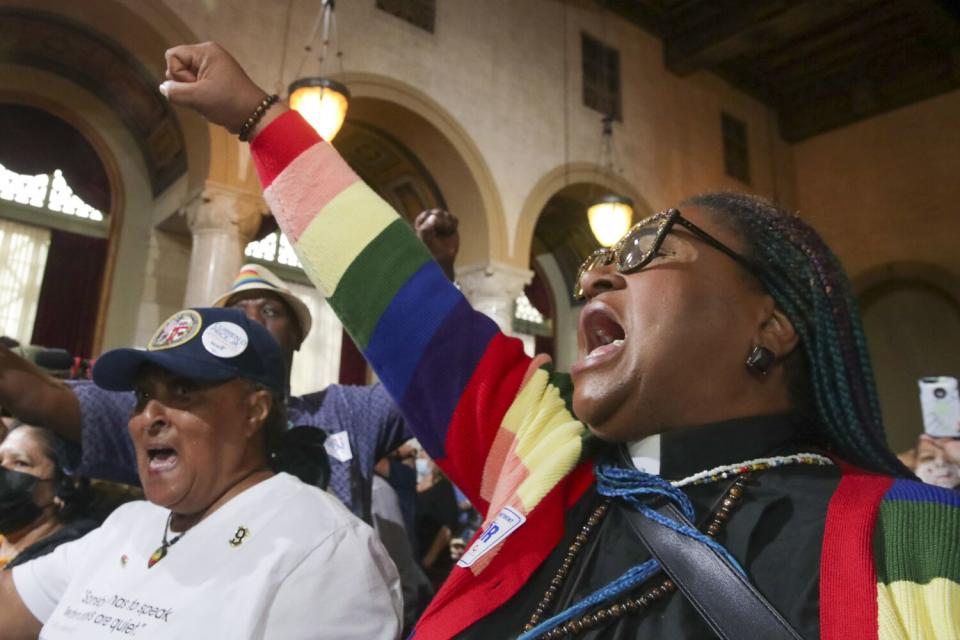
x=829 y=376
x=714 y=464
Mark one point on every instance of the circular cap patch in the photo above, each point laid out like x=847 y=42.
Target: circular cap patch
x=179 y=328
x=225 y=339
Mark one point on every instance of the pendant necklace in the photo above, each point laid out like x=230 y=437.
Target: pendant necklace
x=165 y=544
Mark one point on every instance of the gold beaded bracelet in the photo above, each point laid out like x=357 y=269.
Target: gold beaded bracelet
x=256 y=116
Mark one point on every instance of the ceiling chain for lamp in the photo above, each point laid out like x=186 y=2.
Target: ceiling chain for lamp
x=610 y=216
x=321 y=101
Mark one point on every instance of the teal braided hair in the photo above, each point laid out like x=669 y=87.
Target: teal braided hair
x=809 y=285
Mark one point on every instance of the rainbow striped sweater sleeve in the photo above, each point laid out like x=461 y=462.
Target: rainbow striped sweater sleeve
x=917 y=551
x=890 y=568
x=476 y=402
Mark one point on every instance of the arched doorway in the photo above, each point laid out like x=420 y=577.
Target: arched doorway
x=55 y=201
x=95 y=68
x=390 y=168
x=554 y=226
x=911 y=317
x=561 y=241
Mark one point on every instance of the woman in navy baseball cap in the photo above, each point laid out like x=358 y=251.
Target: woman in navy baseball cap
x=224 y=546
x=213 y=370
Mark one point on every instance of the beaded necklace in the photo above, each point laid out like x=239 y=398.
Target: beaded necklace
x=630 y=604
x=757 y=464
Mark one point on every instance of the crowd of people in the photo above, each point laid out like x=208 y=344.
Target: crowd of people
x=349 y=441
x=721 y=422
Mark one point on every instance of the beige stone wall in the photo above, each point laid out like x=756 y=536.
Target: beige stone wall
x=496 y=68
x=167 y=259
x=887 y=189
x=885 y=193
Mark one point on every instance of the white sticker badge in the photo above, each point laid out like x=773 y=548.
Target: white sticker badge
x=338 y=446
x=506 y=522
x=225 y=339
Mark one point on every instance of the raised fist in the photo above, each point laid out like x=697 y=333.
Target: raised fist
x=437 y=228
x=209 y=80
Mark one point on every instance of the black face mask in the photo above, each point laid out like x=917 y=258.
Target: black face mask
x=17 y=508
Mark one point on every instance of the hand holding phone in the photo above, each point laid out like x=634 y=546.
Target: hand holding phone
x=940 y=403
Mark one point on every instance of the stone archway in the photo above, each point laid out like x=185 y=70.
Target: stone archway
x=553 y=235
x=96 y=65
x=447 y=152
x=490 y=279
x=124 y=167
x=557 y=180
x=911 y=317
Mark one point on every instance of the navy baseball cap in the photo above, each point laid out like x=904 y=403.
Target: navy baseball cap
x=210 y=344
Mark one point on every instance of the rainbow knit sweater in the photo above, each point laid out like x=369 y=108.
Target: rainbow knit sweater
x=500 y=425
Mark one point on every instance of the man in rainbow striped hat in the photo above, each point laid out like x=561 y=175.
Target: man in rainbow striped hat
x=264 y=298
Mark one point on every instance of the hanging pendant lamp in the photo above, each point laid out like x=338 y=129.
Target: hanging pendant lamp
x=321 y=101
x=610 y=216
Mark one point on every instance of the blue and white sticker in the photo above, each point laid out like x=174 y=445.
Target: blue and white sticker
x=506 y=522
x=225 y=339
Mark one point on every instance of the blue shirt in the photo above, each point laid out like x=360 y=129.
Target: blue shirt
x=367 y=416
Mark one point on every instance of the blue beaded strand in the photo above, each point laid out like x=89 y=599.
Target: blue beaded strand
x=629 y=484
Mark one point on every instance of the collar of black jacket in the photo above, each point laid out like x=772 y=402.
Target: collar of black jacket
x=689 y=450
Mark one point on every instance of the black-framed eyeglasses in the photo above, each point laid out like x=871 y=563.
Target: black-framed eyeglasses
x=641 y=243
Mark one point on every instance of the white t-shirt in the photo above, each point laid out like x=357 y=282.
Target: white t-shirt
x=282 y=560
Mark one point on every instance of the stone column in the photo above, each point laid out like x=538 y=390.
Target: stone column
x=222 y=220
x=492 y=288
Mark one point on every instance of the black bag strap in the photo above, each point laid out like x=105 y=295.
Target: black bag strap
x=726 y=600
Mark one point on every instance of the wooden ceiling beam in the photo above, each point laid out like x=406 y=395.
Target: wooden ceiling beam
x=709 y=34
x=841 y=32
x=941 y=17
x=892 y=36
x=645 y=15
x=860 y=91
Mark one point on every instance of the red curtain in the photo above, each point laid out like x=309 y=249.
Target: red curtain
x=70 y=293
x=540 y=296
x=353 y=367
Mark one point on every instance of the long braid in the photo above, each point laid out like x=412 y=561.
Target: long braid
x=809 y=285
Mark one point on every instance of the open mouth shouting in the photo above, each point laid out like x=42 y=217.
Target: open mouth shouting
x=601 y=336
x=161 y=458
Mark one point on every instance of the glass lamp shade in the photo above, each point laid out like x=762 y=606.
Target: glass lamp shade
x=610 y=218
x=322 y=102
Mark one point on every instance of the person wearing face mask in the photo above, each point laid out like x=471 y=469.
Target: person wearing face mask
x=715 y=463
x=436 y=519
x=40 y=507
x=424 y=469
